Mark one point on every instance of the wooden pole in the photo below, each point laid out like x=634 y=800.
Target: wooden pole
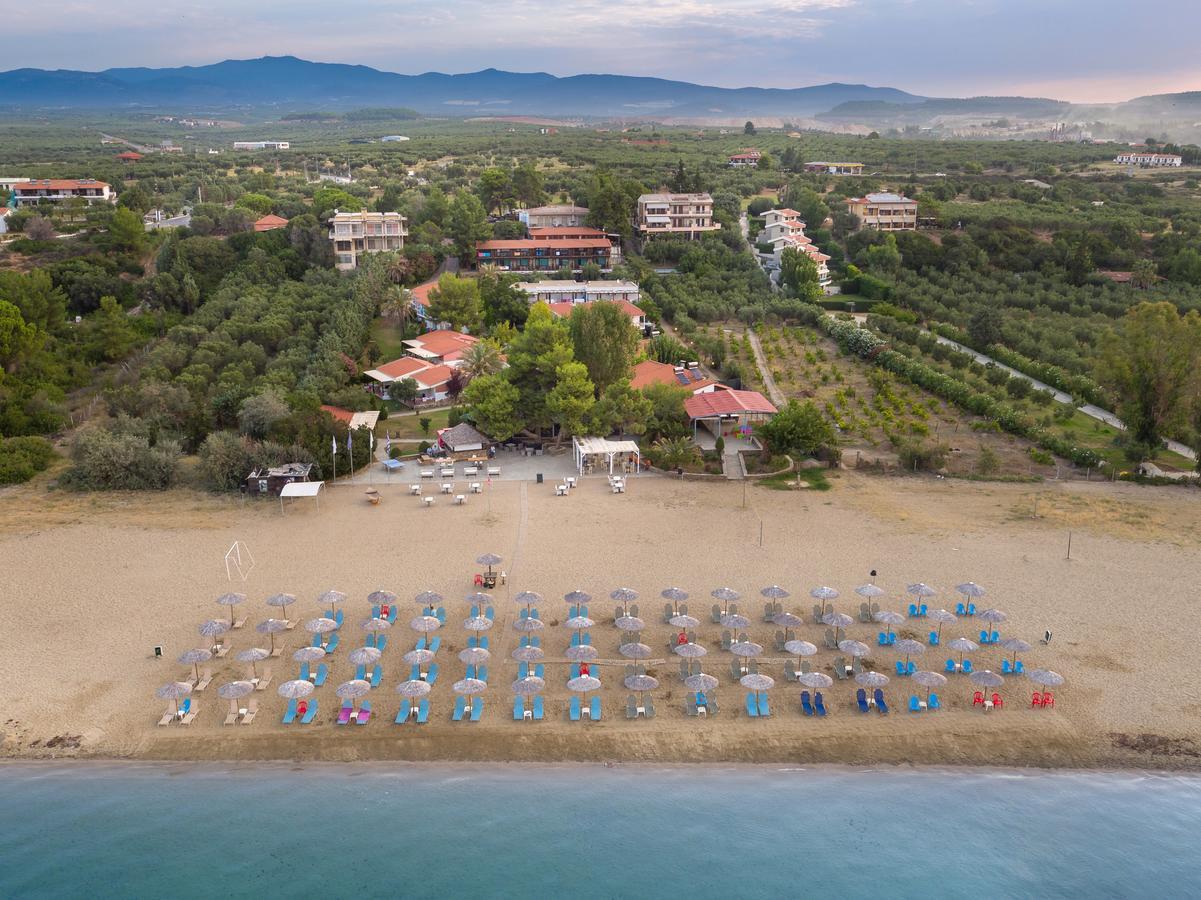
x=1069 y=545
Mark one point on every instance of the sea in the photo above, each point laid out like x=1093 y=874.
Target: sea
x=400 y=830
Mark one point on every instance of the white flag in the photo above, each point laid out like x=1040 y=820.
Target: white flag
x=333 y=444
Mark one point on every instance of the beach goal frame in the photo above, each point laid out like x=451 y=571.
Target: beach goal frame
x=238 y=558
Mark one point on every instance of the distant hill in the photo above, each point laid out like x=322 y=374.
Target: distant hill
x=288 y=81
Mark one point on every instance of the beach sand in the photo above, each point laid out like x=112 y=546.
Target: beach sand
x=93 y=583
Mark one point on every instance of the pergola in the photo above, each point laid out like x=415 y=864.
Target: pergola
x=590 y=450
x=301 y=489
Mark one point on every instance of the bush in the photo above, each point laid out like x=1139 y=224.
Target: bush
x=919 y=457
x=225 y=460
x=110 y=460
x=23 y=457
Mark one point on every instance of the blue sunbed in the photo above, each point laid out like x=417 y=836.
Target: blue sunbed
x=880 y=704
x=751 y=708
x=482 y=673
x=538 y=708
x=364 y=715
x=483 y=642
x=470 y=673
x=433 y=674
x=900 y=667
x=575 y=639
x=967 y=666
x=477 y=708
x=518 y=708
x=392 y=611
x=322 y=673
x=489 y=613
x=933 y=638
x=595 y=709
x=310 y=713
x=914 y=704
x=933 y=703
x=1006 y=669
x=415 y=673
x=861 y=699
x=984 y=638
x=950 y=665
x=806 y=706
x=304 y=672
x=360 y=673
x=911 y=668
x=524 y=614
x=523 y=670
x=378 y=641
x=460 y=708
x=882 y=639
x=819 y=703
x=376 y=674
x=317 y=640
x=421 y=643
x=1019 y=668
x=406 y=707
x=539 y=671
x=575 y=707
x=423 y=712
x=333 y=643
x=475 y=611
x=764 y=709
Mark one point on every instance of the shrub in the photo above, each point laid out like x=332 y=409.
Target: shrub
x=23 y=457
x=109 y=460
x=225 y=460
x=920 y=457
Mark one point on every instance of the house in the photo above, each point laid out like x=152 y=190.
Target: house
x=579 y=291
x=419 y=296
x=685 y=375
x=728 y=413
x=884 y=211
x=431 y=379
x=272 y=480
x=463 y=438
x=56 y=190
x=357 y=233
x=545 y=256
x=1148 y=159
x=637 y=316
x=353 y=420
x=579 y=232
x=261 y=145
x=835 y=168
x=270 y=222
x=554 y=216
x=744 y=159
x=675 y=215
x=393 y=139
x=440 y=346
x=130 y=156
x=784 y=229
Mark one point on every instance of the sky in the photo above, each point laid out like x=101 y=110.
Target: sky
x=1079 y=50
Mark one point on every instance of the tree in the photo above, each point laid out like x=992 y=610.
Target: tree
x=799 y=429
x=1150 y=363
x=673 y=452
x=1143 y=274
x=327 y=199
x=884 y=258
x=259 y=204
x=39 y=228
x=571 y=399
x=535 y=356
x=603 y=340
x=259 y=413
x=468 y=224
x=18 y=338
x=611 y=203
x=809 y=203
x=481 y=358
x=493 y=402
x=502 y=302
x=984 y=327
x=749 y=128
x=425 y=422
x=528 y=185
x=621 y=409
x=495 y=188
x=107 y=334
x=456 y=300
x=455 y=384
x=34 y=293
x=799 y=272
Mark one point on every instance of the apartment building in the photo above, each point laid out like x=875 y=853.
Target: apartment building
x=576 y=233
x=358 y=233
x=675 y=215
x=783 y=229
x=56 y=190
x=545 y=256
x=885 y=211
x=562 y=216
x=835 y=168
x=579 y=291
x=1147 y=159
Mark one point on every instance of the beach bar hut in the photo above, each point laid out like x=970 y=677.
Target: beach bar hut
x=728 y=413
x=464 y=438
x=272 y=480
x=592 y=453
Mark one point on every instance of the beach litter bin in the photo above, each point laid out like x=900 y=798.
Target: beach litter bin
x=539 y=477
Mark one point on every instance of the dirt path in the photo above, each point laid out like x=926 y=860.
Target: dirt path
x=769 y=384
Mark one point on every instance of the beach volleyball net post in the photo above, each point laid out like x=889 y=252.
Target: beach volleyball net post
x=239 y=559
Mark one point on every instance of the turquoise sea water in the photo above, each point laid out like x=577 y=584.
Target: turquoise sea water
x=587 y=831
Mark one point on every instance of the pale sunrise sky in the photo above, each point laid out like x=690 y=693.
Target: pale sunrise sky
x=1081 y=50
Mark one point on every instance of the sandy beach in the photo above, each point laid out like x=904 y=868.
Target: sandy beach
x=93 y=583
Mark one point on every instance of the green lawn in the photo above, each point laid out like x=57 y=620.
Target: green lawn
x=1086 y=431
x=387 y=336
x=410 y=426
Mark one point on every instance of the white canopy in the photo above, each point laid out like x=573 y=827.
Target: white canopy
x=301 y=489
x=584 y=447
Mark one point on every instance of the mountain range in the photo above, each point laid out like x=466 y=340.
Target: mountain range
x=286 y=83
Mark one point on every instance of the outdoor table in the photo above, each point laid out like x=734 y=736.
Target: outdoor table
x=415 y=489
x=528 y=714
x=448 y=471
x=427 y=473
x=988 y=705
x=460 y=499
x=429 y=501
x=447 y=488
x=475 y=487
x=570 y=480
x=921 y=704
x=560 y=490
x=702 y=710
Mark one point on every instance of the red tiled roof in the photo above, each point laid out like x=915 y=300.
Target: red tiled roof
x=339 y=414
x=58 y=184
x=650 y=372
x=578 y=243
x=270 y=222
x=563 y=309
x=130 y=155
x=564 y=232
x=443 y=342
x=433 y=376
x=726 y=403
x=404 y=367
x=421 y=293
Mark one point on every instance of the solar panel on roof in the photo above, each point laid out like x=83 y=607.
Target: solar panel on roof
x=682 y=377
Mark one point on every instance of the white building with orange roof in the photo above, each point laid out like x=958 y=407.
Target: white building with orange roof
x=637 y=316
x=684 y=375
x=56 y=190
x=440 y=346
x=783 y=229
